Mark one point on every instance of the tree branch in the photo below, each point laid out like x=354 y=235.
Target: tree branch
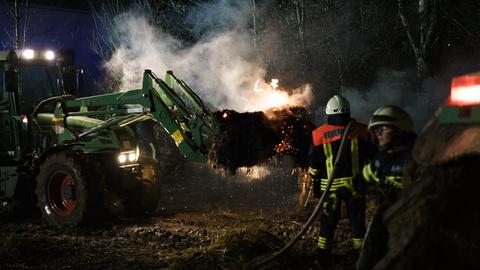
x=25 y=24
x=432 y=21
x=406 y=26
x=8 y=9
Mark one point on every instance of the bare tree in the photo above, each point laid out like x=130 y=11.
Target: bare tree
x=254 y=27
x=292 y=25
x=300 y=25
x=25 y=24
x=14 y=37
x=17 y=24
x=420 y=36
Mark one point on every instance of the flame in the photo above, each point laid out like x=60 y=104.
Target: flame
x=270 y=95
x=274 y=83
x=276 y=99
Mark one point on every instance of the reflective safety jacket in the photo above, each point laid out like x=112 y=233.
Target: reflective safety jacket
x=386 y=171
x=325 y=144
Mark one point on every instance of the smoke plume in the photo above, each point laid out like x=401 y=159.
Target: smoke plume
x=394 y=87
x=221 y=66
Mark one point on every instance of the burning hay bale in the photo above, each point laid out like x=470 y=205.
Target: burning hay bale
x=243 y=139
x=248 y=139
x=296 y=128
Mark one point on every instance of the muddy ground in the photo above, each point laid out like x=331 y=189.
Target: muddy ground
x=207 y=221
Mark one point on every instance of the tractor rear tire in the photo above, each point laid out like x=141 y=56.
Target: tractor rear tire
x=66 y=197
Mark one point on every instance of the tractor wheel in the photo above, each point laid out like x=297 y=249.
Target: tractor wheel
x=143 y=199
x=65 y=198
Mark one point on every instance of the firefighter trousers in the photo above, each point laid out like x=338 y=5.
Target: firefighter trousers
x=376 y=241
x=331 y=214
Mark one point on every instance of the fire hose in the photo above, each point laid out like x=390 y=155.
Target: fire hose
x=315 y=211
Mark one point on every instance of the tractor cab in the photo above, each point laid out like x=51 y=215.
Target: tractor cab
x=26 y=78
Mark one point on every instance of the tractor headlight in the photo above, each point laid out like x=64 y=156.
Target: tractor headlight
x=28 y=54
x=49 y=55
x=122 y=158
x=128 y=157
x=132 y=157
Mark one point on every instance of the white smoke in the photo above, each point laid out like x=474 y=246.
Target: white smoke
x=397 y=87
x=220 y=67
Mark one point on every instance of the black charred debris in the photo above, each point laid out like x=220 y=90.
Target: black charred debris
x=251 y=138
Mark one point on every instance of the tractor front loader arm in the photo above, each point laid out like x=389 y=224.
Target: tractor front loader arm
x=171 y=103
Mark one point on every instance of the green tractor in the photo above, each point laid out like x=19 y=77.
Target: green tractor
x=76 y=157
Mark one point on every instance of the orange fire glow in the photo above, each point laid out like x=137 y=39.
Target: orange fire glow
x=270 y=95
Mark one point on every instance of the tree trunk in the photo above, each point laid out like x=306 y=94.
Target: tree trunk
x=340 y=69
x=17 y=24
x=25 y=24
x=427 y=19
x=421 y=71
x=254 y=28
x=300 y=21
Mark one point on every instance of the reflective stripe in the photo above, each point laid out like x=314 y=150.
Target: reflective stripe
x=313 y=171
x=337 y=180
x=349 y=185
x=344 y=181
x=373 y=174
x=327 y=149
x=368 y=174
x=336 y=184
x=323 y=243
x=357 y=243
x=365 y=174
x=354 y=151
x=394 y=180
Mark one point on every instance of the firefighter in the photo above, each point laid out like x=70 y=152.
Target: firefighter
x=323 y=151
x=393 y=131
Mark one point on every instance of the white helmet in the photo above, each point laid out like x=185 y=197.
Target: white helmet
x=392 y=115
x=337 y=105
